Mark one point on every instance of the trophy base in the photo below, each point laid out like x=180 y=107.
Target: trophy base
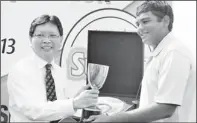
x=87 y=112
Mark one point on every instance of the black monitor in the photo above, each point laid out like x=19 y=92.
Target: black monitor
x=123 y=52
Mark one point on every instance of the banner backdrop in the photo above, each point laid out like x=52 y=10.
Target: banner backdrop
x=18 y=15
x=77 y=18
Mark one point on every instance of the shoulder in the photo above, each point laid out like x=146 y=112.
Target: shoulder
x=176 y=47
x=58 y=68
x=22 y=64
x=176 y=53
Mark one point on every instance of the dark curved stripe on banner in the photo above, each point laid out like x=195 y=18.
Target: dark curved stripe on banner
x=83 y=18
x=96 y=20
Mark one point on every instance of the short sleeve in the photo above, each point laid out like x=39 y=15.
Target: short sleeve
x=173 y=76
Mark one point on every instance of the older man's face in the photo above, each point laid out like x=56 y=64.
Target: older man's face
x=46 y=40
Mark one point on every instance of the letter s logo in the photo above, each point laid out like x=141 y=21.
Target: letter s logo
x=78 y=62
x=4 y=116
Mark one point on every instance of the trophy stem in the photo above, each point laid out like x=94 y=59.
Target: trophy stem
x=87 y=112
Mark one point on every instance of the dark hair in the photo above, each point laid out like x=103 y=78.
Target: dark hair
x=159 y=9
x=45 y=19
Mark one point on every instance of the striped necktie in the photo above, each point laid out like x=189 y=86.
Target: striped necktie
x=50 y=85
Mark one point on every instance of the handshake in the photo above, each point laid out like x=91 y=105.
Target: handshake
x=85 y=98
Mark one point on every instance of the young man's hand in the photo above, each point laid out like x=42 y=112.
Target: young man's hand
x=98 y=118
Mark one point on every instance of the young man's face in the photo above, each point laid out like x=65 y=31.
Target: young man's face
x=46 y=40
x=149 y=28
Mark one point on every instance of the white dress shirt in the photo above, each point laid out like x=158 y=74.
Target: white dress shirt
x=170 y=78
x=27 y=92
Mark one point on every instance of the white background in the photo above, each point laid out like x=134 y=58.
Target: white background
x=185 y=23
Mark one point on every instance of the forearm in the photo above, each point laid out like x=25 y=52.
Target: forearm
x=148 y=114
x=49 y=111
x=22 y=99
x=40 y=111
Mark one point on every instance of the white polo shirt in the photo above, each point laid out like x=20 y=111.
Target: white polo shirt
x=170 y=77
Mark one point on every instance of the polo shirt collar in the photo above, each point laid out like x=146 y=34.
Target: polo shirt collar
x=164 y=43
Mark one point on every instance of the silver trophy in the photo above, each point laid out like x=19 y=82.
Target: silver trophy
x=96 y=75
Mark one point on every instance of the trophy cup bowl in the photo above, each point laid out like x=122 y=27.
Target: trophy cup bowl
x=96 y=75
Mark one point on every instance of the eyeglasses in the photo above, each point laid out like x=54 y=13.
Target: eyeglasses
x=43 y=36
